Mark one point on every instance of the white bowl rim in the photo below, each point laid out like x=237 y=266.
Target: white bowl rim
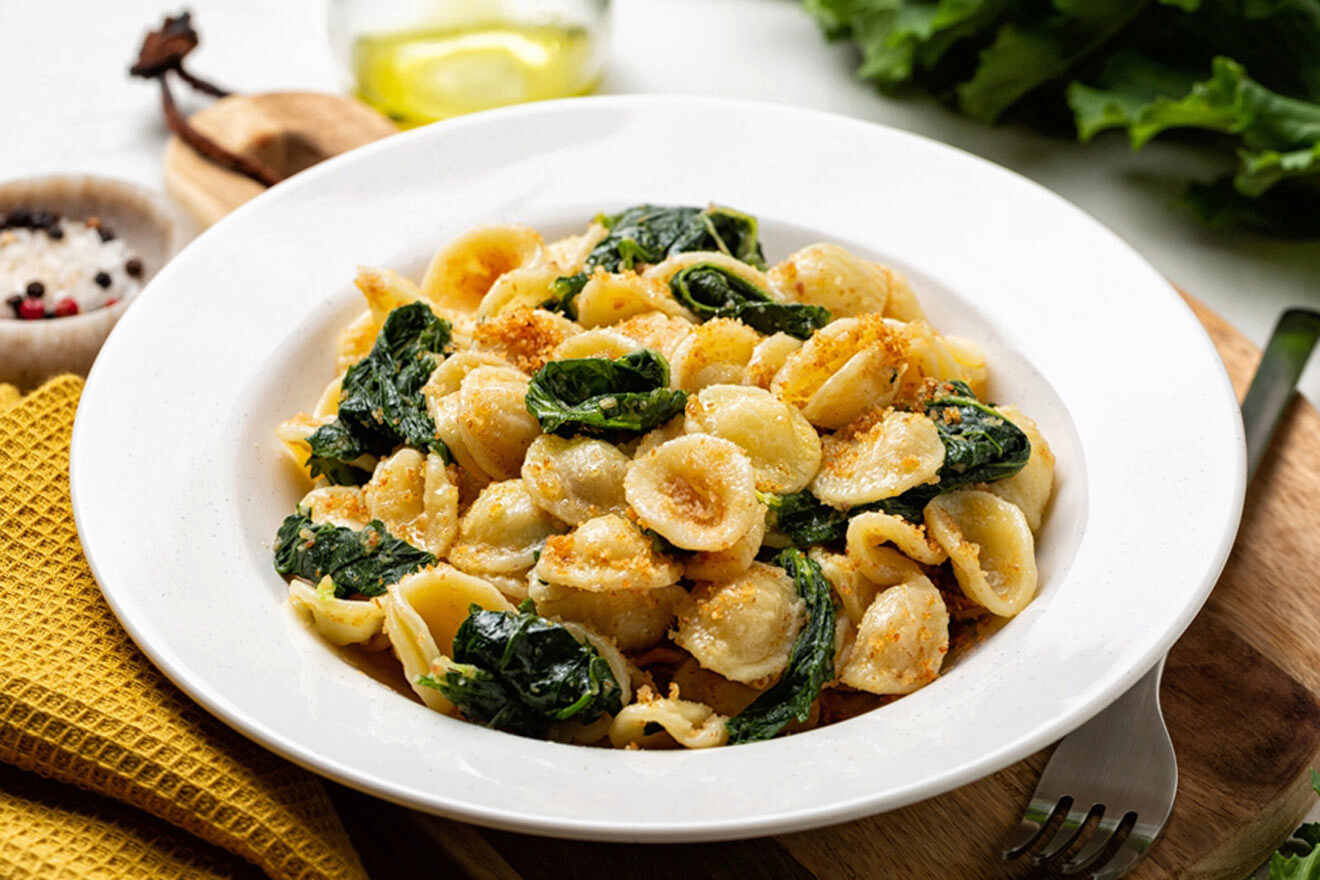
x=675 y=829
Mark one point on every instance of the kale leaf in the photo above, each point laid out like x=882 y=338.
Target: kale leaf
x=810 y=663
x=604 y=398
x=649 y=233
x=711 y=291
x=519 y=672
x=365 y=561
x=486 y=700
x=381 y=404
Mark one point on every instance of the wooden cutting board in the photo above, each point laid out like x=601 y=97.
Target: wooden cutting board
x=1241 y=698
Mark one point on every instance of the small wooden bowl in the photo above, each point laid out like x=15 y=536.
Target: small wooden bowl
x=33 y=351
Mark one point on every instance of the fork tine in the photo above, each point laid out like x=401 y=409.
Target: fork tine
x=1102 y=845
x=1039 y=815
x=1133 y=849
x=1074 y=827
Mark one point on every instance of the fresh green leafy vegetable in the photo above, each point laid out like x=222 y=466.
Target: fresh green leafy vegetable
x=1138 y=65
x=365 y=561
x=381 y=404
x=649 y=233
x=804 y=519
x=519 y=672
x=810 y=662
x=712 y=291
x=604 y=398
x=1299 y=857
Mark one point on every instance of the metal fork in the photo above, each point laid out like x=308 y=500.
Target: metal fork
x=1109 y=786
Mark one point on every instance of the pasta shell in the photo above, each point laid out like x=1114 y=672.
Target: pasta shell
x=698 y=491
x=867 y=532
x=494 y=422
x=385 y=290
x=656 y=331
x=674 y=428
x=742 y=628
x=783 y=447
x=990 y=546
x=768 y=358
x=448 y=376
x=902 y=304
x=1029 y=488
x=703 y=686
x=293 y=433
x=527 y=287
x=570 y=252
x=356 y=340
x=601 y=342
x=423 y=611
x=880 y=458
x=445 y=411
x=605 y=554
x=338 y=505
x=715 y=353
x=608 y=299
x=575 y=479
x=339 y=621
x=833 y=346
x=462 y=272
x=865 y=381
x=683 y=722
x=940 y=358
x=634 y=619
x=901 y=641
x=827 y=275
x=716 y=565
x=662 y=272
x=502 y=531
x=854 y=589
x=327 y=405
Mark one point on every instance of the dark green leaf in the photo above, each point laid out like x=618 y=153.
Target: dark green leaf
x=649 y=233
x=604 y=398
x=565 y=289
x=810 y=662
x=540 y=662
x=486 y=700
x=381 y=404
x=333 y=448
x=712 y=291
x=980 y=445
x=365 y=561
x=805 y=520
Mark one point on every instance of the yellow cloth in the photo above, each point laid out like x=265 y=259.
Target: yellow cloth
x=79 y=704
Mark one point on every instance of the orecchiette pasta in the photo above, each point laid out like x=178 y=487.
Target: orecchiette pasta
x=742 y=628
x=990 y=547
x=782 y=446
x=634 y=619
x=674 y=505
x=339 y=621
x=1030 y=487
x=698 y=491
x=605 y=554
x=891 y=454
x=575 y=479
x=462 y=272
x=502 y=531
x=901 y=641
x=691 y=725
x=827 y=275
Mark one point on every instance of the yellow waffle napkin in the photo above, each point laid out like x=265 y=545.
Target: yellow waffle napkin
x=81 y=706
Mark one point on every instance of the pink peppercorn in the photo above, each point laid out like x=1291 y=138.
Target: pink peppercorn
x=31 y=309
x=65 y=307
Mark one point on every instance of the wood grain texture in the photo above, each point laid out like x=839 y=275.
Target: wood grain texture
x=285 y=131
x=1239 y=696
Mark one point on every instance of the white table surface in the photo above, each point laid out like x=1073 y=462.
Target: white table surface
x=78 y=110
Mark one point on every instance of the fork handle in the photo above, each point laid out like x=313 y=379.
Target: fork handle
x=1281 y=365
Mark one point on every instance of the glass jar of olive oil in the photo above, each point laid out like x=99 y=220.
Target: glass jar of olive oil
x=421 y=60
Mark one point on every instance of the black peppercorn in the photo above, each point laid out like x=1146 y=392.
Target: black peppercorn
x=102 y=279
x=36 y=289
x=134 y=268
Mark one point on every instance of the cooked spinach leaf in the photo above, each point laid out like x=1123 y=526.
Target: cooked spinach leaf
x=486 y=700
x=604 y=398
x=381 y=404
x=564 y=290
x=810 y=663
x=980 y=446
x=519 y=672
x=365 y=561
x=711 y=291
x=804 y=519
x=649 y=233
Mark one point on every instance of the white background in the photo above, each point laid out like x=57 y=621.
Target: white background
x=69 y=105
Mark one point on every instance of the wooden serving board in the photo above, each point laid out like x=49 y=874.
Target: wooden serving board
x=1241 y=698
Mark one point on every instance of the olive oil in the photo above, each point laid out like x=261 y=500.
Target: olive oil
x=419 y=76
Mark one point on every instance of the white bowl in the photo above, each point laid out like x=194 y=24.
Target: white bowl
x=33 y=351
x=178 y=483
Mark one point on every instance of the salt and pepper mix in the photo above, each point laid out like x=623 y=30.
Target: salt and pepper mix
x=54 y=267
